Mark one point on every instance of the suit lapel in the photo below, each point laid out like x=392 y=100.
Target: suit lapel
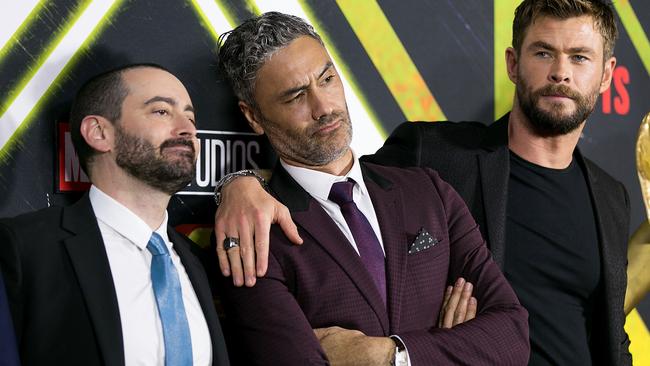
x=309 y=215
x=612 y=258
x=494 y=170
x=88 y=256
x=388 y=206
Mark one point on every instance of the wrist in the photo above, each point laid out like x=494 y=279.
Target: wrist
x=228 y=178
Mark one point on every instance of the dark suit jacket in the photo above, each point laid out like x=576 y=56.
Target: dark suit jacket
x=8 y=349
x=61 y=291
x=475 y=160
x=323 y=282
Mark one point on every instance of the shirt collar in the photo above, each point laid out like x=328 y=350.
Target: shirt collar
x=318 y=184
x=122 y=220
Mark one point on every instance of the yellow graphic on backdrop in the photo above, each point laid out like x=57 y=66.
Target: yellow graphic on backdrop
x=392 y=60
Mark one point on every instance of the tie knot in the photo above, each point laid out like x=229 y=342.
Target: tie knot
x=157 y=245
x=341 y=192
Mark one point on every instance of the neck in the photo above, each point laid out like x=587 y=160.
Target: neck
x=554 y=152
x=143 y=200
x=339 y=166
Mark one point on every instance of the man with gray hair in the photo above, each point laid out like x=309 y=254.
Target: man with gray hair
x=381 y=244
x=555 y=222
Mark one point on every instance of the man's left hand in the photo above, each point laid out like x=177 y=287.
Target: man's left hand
x=352 y=347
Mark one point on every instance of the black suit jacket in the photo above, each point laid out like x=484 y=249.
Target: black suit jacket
x=61 y=291
x=475 y=160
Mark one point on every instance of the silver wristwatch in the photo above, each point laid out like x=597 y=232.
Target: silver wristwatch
x=232 y=176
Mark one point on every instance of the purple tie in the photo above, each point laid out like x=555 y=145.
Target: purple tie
x=369 y=248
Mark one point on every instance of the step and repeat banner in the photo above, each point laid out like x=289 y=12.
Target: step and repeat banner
x=400 y=60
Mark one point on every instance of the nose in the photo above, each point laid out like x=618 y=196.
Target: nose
x=560 y=71
x=320 y=105
x=183 y=127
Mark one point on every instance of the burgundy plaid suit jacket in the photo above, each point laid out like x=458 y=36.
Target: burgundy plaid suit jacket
x=323 y=283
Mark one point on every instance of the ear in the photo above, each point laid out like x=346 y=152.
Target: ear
x=251 y=117
x=512 y=64
x=608 y=71
x=98 y=133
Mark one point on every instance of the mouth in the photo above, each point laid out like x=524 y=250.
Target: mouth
x=327 y=128
x=180 y=147
x=557 y=97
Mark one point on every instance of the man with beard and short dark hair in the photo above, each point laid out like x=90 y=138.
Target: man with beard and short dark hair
x=106 y=281
x=555 y=222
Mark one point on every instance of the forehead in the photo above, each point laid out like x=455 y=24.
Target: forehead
x=571 y=32
x=293 y=64
x=146 y=82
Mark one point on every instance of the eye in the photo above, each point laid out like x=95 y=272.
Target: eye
x=543 y=54
x=329 y=78
x=579 y=58
x=161 y=112
x=296 y=98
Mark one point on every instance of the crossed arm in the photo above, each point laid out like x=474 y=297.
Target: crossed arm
x=337 y=343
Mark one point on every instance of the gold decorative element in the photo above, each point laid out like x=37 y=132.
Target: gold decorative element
x=643 y=161
x=638 y=252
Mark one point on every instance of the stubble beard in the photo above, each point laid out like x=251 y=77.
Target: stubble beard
x=554 y=122
x=143 y=161
x=306 y=146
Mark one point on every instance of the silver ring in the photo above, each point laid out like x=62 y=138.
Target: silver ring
x=229 y=243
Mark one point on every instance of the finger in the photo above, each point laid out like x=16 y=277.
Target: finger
x=321 y=333
x=445 y=300
x=236 y=269
x=261 y=233
x=471 y=309
x=247 y=252
x=461 y=309
x=220 y=235
x=234 y=257
x=450 y=309
x=283 y=218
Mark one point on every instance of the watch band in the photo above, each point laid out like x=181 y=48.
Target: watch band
x=232 y=176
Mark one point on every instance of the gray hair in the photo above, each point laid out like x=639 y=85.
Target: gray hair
x=247 y=47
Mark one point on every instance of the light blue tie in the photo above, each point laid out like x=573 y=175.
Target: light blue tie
x=167 y=288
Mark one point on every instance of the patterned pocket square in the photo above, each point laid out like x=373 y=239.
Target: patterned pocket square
x=423 y=241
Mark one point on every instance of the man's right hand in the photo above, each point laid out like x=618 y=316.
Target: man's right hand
x=247 y=212
x=458 y=305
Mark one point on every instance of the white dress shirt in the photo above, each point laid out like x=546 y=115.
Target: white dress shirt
x=319 y=184
x=125 y=238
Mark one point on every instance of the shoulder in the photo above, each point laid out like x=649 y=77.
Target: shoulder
x=447 y=132
x=33 y=223
x=599 y=178
x=411 y=180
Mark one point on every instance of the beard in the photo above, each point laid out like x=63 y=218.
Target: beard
x=307 y=146
x=557 y=121
x=142 y=160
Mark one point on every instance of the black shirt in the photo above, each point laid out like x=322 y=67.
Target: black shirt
x=552 y=260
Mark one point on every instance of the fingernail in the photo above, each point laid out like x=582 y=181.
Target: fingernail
x=460 y=281
x=468 y=286
x=250 y=281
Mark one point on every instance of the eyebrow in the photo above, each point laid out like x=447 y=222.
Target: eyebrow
x=297 y=89
x=170 y=101
x=546 y=46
